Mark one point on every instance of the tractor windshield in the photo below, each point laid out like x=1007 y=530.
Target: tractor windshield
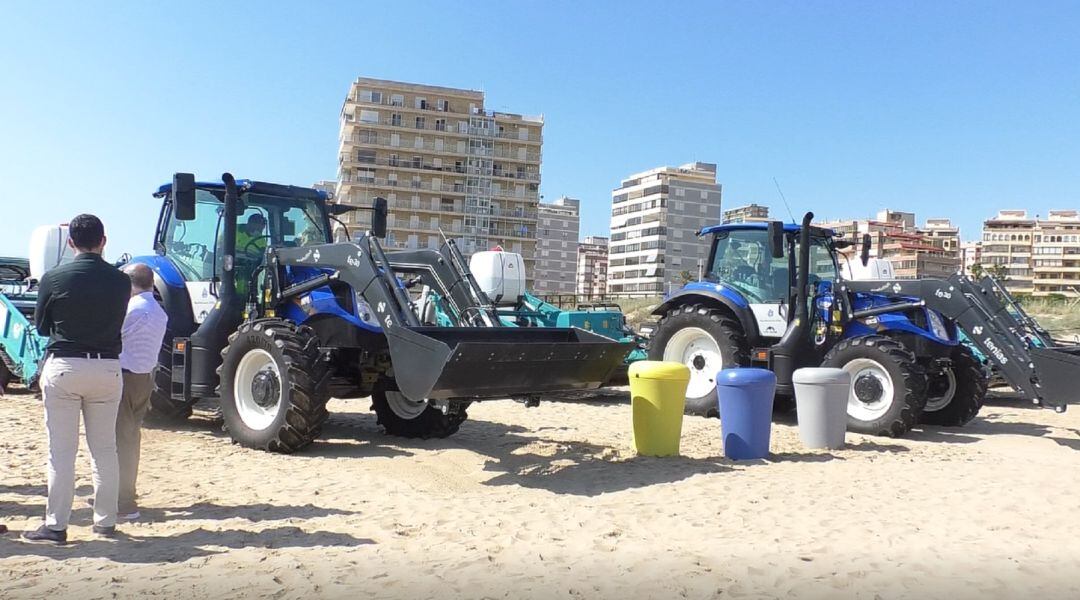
x=194 y=246
x=741 y=259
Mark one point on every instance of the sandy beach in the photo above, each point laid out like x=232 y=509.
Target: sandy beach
x=551 y=502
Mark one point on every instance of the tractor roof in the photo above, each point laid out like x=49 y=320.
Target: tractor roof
x=257 y=187
x=762 y=226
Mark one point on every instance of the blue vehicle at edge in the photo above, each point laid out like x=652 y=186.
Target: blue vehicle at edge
x=772 y=297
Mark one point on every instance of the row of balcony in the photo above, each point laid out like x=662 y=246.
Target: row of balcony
x=502 y=232
x=418 y=163
x=443 y=127
x=448 y=148
x=442 y=188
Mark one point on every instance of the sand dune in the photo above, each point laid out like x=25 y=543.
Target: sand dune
x=551 y=502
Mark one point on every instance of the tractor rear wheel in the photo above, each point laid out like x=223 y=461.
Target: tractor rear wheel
x=273 y=385
x=888 y=387
x=402 y=417
x=956 y=393
x=706 y=340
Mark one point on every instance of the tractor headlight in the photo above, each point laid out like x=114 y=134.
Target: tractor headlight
x=937 y=325
x=363 y=310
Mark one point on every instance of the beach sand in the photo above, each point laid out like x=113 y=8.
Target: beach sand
x=551 y=502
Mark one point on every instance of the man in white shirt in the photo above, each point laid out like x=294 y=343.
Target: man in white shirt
x=143 y=333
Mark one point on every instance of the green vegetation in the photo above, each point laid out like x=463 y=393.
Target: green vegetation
x=638 y=310
x=1057 y=314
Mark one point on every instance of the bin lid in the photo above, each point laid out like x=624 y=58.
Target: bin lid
x=821 y=376
x=655 y=369
x=745 y=376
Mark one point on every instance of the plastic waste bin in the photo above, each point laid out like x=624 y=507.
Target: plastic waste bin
x=821 y=398
x=745 y=398
x=657 y=399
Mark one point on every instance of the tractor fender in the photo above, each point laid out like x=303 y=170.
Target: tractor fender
x=715 y=296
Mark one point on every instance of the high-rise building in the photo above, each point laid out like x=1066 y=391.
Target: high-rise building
x=444 y=163
x=592 y=266
x=750 y=213
x=914 y=253
x=556 y=243
x=1035 y=256
x=655 y=217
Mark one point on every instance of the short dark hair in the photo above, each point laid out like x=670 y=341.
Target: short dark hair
x=256 y=217
x=86 y=232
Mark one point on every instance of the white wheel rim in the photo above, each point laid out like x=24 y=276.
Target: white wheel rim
x=253 y=364
x=936 y=403
x=695 y=348
x=403 y=407
x=869 y=411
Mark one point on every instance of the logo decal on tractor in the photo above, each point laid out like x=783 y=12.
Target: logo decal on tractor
x=942 y=294
x=977 y=330
x=896 y=288
x=316 y=255
x=998 y=354
x=353 y=261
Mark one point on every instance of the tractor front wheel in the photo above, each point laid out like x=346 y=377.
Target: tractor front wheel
x=956 y=393
x=402 y=417
x=706 y=340
x=888 y=387
x=273 y=386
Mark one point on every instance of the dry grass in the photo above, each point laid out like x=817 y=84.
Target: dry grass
x=1060 y=317
x=638 y=310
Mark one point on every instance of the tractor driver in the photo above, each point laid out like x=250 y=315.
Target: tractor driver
x=250 y=246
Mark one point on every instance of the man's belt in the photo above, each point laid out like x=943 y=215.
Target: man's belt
x=91 y=355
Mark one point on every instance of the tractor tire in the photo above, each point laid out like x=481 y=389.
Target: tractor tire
x=273 y=386
x=163 y=409
x=5 y=375
x=402 y=418
x=963 y=389
x=705 y=340
x=888 y=386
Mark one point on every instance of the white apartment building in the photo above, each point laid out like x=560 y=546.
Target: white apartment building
x=1039 y=256
x=444 y=163
x=655 y=217
x=592 y=266
x=557 y=239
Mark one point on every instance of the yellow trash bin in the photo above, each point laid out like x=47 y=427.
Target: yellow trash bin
x=657 y=398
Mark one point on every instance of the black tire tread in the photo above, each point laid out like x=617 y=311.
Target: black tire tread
x=971 y=385
x=308 y=376
x=914 y=380
x=431 y=423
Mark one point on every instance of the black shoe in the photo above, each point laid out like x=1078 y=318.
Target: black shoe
x=103 y=531
x=44 y=535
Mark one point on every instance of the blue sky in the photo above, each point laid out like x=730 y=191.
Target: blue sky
x=950 y=109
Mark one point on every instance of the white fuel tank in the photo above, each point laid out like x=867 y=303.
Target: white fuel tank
x=500 y=274
x=852 y=269
x=48 y=248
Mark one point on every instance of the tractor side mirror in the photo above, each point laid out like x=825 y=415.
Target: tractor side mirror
x=864 y=255
x=378 y=218
x=776 y=239
x=183 y=196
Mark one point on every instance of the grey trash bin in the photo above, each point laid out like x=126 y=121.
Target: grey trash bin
x=821 y=398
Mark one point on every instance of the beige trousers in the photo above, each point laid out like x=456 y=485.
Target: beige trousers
x=91 y=388
x=129 y=419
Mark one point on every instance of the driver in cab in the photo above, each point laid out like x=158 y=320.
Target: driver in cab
x=250 y=246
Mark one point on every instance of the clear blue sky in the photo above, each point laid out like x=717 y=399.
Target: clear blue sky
x=941 y=108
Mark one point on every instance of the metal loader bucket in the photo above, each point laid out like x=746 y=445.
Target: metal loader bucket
x=479 y=362
x=1059 y=372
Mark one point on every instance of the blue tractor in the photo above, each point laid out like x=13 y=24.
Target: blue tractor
x=773 y=297
x=268 y=318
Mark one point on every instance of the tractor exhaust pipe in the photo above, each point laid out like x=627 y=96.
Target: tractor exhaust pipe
x=782 y=356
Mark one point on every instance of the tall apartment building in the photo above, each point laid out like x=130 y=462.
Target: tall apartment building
x=556 y=243
x=749 y=213
x=655 y=216
x=444 y=163
x=914 y=253
x=1037 y=256
x=592 y=266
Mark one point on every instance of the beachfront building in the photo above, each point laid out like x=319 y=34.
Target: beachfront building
x=932 y=251
x=592 y=266
x=556 y=243
x=750 y=213
x=655 y=216
x=1036 y=256
x=444 y=163
x=971 y=255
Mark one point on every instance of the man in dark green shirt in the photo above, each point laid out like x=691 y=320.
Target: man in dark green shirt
x=81 y=307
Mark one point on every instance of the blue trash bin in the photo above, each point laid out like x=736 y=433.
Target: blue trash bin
x=746 y=401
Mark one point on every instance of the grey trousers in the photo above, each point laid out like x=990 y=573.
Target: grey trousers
x=129 y=419
x=91 y=388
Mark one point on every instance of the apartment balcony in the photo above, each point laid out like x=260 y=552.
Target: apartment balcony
x=350 y=121
x=396 y=185
x=353 y=139
x=420 y=165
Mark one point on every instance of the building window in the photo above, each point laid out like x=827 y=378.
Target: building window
x=419 y=122
x=397 y=100
x=395 y=120
x=365 y=156
x=369 y=116
x=440 y=124
x=421 y=103
x=443 y=105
